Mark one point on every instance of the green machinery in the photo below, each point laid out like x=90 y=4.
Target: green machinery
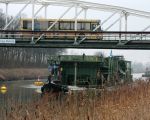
x=82 y=70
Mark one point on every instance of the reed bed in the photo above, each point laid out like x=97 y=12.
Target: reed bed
x=124 y=102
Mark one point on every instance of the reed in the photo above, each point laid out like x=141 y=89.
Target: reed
x=126 y=102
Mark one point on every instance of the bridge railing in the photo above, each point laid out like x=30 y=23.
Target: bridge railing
x=126 y=36
x=70 y=35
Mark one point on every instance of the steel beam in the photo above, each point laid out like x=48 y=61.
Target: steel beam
x=17 y=15
x=108 y=44
x=54 y=23
x=98 y=26
x=89 y=5
x=109 y=8
x=113 y=23
x=6 y=14
x=38 y=11
x=105 y=21
x=59 y=18
x=76 y=16
x=45 y=11
x=146 y=28
x=76 y=12
x=85 y=13
x=33 y=7
x=120 y=22
x=75 y=22
x=126 y=21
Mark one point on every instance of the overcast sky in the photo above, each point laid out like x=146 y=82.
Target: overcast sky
x=133 y=55
x=134 y=23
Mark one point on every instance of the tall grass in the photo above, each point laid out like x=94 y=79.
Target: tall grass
x=126 y=102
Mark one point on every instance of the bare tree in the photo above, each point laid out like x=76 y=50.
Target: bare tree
x=23 y=57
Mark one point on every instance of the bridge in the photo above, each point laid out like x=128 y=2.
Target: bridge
x=109 y=39
x=105 y=39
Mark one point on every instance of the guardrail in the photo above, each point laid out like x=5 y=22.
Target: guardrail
x=61 y=35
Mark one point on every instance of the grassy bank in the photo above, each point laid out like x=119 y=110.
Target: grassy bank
x=127 y=102
x=22 y=73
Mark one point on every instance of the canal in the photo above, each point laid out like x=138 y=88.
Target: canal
x=21 y=92
x=24 y=91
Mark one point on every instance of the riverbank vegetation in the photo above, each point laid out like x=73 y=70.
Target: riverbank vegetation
x=12 y=57
x=23 y=73
x=24 y=63
x=126 y=102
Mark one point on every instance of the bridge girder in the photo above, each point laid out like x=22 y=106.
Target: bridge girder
x=123 y=11
x=144 y=45
x=95 y=40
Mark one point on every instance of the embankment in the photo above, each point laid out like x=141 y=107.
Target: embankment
x=22 y=73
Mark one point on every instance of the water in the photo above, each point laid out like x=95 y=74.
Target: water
x=20 y=92
x=138 y=76
x=23 y=92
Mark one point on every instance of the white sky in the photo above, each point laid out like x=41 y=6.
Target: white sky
x=133 y=24
x=133 y=55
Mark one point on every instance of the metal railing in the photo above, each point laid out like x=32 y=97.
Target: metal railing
x=70 y=35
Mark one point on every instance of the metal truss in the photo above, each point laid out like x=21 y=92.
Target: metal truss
x=122 y=11
x=82 y=4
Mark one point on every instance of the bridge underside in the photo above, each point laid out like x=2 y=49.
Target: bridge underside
x=73 y=39
x=90 y=44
